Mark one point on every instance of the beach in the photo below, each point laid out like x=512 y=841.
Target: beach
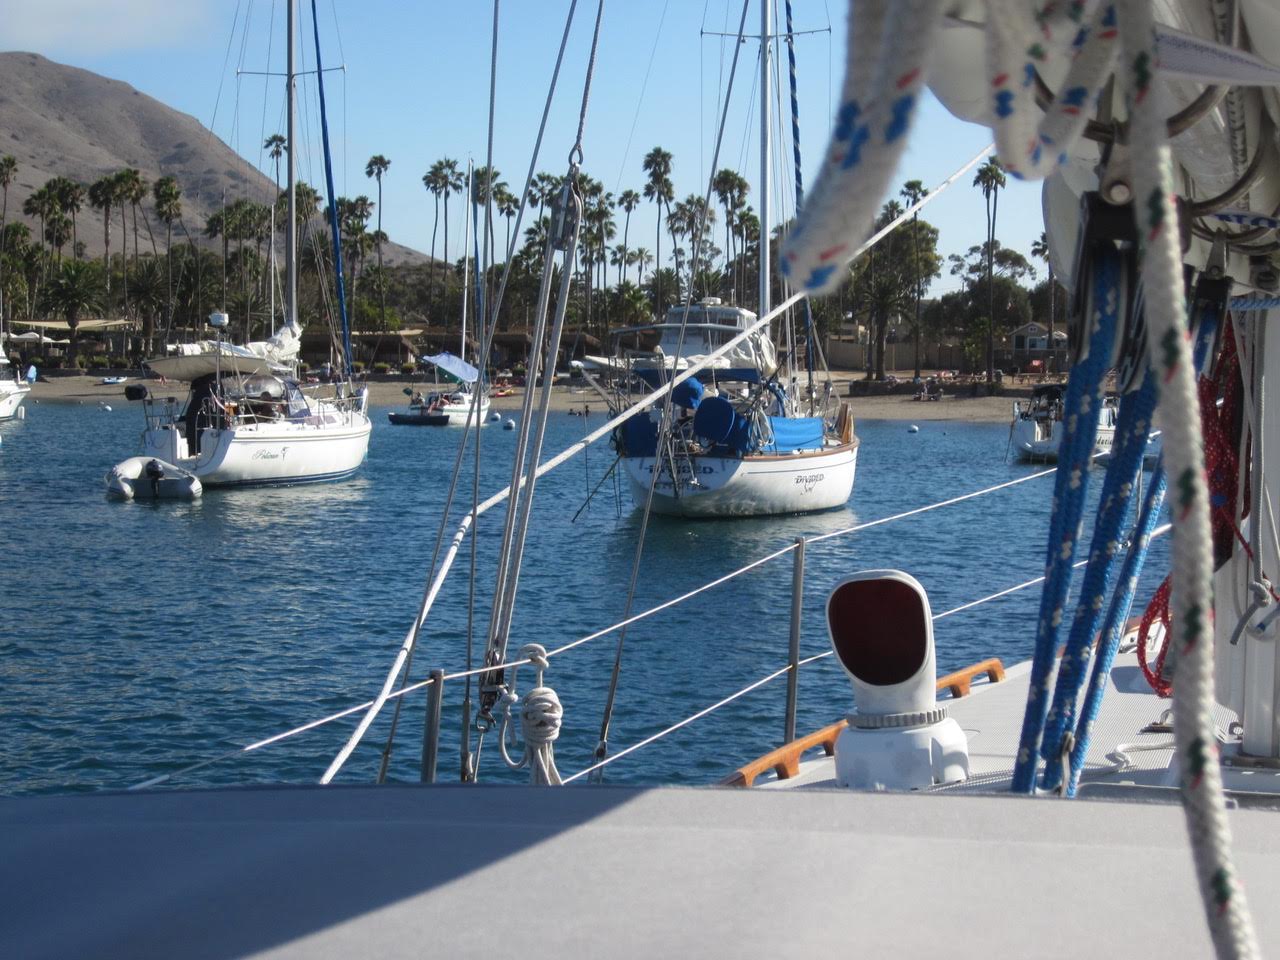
x=390 y=393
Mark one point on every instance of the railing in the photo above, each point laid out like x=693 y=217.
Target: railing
x=785 y=760
x=957 y=684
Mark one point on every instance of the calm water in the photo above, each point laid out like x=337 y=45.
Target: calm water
x=138 y=638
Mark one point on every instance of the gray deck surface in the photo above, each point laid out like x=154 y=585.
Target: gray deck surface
x=606 y=872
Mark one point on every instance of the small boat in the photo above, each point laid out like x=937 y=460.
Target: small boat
x=112 y=381
x=146 y=478
x=1036 y=430
x=455 y=408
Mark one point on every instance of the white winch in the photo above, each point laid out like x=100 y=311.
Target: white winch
x=899 y=737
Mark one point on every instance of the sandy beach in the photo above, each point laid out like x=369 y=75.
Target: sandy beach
x=89 y=390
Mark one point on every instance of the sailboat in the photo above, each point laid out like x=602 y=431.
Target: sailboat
x=12 y=390
x=1037 y=428
x=745 y=439
x=460 y=406
x=903 y=807
x=246 y=420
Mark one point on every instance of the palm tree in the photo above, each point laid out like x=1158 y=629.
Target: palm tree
x=659 y=189
x=8 y=170
x=990 y=178
x=1040 y=249
x=453 y=183
x=434 y=180
x=168 y=200
x=628 y=201
x=914 y=191
x=74 y=291
x=218 y=225
x=508 y=205
x=376 y=167
x=643 y=259
x=102 y=196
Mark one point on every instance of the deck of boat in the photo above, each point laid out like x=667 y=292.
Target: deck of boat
x=1131 y=717
x=606 y=871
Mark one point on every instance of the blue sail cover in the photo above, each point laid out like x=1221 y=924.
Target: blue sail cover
x=795 y=433
x=455 y=365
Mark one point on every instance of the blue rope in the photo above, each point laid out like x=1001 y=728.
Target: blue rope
x=334 y=230
x=1132 y=428
x=1082 y=403
x=1122 y=600
x=1117 y=616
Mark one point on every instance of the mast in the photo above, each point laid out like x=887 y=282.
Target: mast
x=766 y=51
x=466 y=263
x=290 y=233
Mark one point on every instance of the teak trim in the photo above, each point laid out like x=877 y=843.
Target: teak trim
x=785 y=761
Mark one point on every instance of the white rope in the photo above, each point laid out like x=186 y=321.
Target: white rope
x=541 y=716
x=1226 y=908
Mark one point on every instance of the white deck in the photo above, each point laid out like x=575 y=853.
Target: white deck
x=991 y=716
x=607 y=872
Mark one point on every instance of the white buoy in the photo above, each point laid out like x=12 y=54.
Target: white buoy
x=495 y=417
x=22 y=413
x=913 y=429
x=105 y=406
x=509 y=425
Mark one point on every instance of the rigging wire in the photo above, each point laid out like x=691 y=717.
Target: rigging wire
x=435 y=577
x=644 y=85
x=664 y=422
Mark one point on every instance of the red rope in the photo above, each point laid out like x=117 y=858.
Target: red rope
x=1157 y=608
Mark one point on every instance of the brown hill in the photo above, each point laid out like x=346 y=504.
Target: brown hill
x=58 y=120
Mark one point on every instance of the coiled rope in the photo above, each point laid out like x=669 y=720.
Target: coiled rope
x=540 y=718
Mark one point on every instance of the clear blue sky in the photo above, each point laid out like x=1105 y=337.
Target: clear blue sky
x=416 y=89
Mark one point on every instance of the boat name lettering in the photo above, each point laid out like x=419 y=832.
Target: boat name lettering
x=809 y=480
x=270 y=454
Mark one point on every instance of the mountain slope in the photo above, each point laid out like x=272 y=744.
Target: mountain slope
x=58 y=120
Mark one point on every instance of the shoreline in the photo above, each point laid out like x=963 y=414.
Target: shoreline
x=998 y=409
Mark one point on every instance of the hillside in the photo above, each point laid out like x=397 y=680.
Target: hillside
x=59 y=120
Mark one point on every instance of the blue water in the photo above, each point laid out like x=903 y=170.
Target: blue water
x=138 y=638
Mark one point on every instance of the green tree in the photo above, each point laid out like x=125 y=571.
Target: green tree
x=377 y=166
x=102 y=196
x=888 y=278
x=658 y=188
x=167 y=196
x=990 y=179
x=913 y=191
x=1040 y=250
x=75 y=290
x=628 y=201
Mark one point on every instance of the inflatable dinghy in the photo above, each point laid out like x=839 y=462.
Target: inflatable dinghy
x=146 y=478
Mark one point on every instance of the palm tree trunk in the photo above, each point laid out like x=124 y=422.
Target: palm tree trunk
x=447 y=263
x=435 y=226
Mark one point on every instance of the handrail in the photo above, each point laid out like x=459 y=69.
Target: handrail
x=785 y=760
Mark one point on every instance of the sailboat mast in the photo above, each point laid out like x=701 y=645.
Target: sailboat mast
x=466 y=263
x=766 y=51
x=291 y=227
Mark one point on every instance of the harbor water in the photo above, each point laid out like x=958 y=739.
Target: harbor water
x=140 y=638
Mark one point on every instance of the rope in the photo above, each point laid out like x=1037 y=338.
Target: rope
x=888 y=47
x=1082 y=402
x=1123 y=471
x=1192 y=580
x=541 y=716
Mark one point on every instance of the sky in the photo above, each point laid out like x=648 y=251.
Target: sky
x=415 y=88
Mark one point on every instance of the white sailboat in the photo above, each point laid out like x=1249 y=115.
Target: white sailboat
x=246 y=420
x=919 y=845
x=745 y=443
x=1036 y=431
x=12 y=390
x=459 y=406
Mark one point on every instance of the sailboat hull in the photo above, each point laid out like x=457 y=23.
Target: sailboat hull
x=1038 y=440
x=11 y=396
x=271 y=453
x=749 y=486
